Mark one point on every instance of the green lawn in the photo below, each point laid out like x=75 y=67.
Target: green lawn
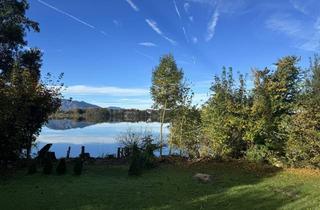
x=234 y=186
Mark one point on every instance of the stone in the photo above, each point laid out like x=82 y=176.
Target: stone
x=205 y=178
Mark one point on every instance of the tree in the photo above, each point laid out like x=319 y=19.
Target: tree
x=166 y=89
x=303 y=145
x=275 y=95
x=26 y=101
x=224 y=116
x=185 y=128
x=13 y=28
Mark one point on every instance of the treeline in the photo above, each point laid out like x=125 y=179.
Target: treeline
x=275 y=120
x=97 y=115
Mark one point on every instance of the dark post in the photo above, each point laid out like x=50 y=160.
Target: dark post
x=82 y=151
x=118 y=154
x=68 y=152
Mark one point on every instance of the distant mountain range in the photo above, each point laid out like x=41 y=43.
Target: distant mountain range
x=67 y=105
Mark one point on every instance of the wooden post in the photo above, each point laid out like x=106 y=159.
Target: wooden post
x=68 y=152
x=118 y=154
x=82 y=152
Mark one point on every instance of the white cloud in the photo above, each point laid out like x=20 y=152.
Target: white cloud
x=67 y=14
x=105 y=90
x=72 y=17
x=191 y=18
x=116 y=23
x=145 y=55
x=304 y=34
x=212 y=25
x=147 y=44
x=133 y=6
x=186 y=7
x=195 y=40
x=176 y=7
x=185 y=34
x=154 y=26
x=284 y=24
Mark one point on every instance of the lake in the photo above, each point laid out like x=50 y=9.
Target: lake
x=99 y=139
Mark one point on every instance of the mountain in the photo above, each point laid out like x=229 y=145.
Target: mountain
x=66 y=124
x=67 y=105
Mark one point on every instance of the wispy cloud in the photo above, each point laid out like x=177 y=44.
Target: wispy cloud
x=105 y=90
x=191 y=18
x=133 y=6
x=186 y=7
x=71 y=16
x=154 y=26
x=285 y=24
x=116 y=23
x=195 y=40
x=305 y=34
x=145 y=55
x=67 y=14
x=176 y=7
x=212 y=25
x=147 y=44
x=185 y=34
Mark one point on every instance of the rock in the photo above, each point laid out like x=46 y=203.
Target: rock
x=205 y=178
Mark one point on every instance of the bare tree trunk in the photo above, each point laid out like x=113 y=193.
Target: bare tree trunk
x=161 y=127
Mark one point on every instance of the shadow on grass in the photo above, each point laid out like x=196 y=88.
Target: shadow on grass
x=235 y=185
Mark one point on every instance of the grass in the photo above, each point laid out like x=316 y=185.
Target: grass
x=235 y=185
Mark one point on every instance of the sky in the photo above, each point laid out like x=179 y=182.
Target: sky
x=107 y=49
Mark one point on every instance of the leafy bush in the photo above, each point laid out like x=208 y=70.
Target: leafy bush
x=32 y=167
x=137 y=161
x=257 y=153
x=62 y=167
x=77 y=169
x=47 y=165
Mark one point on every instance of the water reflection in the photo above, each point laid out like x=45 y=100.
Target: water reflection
x=99 y=138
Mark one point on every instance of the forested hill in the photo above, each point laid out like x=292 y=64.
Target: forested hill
x=67 y=105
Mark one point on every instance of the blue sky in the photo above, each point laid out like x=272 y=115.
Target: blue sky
x=108 y=49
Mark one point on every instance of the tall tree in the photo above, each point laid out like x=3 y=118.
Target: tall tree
x=26 y=101
x=167 y=88
x=303 y=146
x=274 y=96
x=224 y=116
x=13 y=28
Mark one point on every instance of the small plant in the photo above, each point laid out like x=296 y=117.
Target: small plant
x=137 y=161
x=77 y=169
x=62 y=167
x=47 y=165
x=32 y=167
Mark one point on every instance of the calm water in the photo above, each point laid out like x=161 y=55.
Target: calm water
x=99 y=139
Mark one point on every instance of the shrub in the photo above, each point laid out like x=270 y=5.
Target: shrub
x=32 y=167
x=62 y=167
x=77 y=169
x=47 y=165
x=137 y=161
x=257 y=153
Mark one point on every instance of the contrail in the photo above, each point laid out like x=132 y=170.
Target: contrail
x=66 y=14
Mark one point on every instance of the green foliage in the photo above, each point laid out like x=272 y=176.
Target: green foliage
x=258 y=153
x=136 y=162
x=26 y=102
x=167 y=88
x=62 y=167
x=224 y=116
x=303 y=145
x=78 y=166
